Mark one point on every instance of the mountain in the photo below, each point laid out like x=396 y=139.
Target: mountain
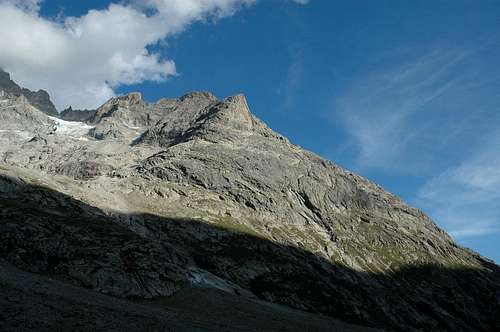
x=39 y=99
x=70 y=114
x=195 y=206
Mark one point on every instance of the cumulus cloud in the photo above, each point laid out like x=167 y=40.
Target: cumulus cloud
x=82 y=60
x=28 y=5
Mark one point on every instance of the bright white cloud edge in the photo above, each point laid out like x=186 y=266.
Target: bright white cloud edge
x=82 y=60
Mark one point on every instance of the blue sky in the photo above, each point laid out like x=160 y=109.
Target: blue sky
x=403 y=92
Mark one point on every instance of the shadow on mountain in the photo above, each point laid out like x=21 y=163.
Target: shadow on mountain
x=147 y=256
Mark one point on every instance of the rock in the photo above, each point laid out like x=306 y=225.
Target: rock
x=70 y=114
x=39 y=99
x=202 y=116
x=18 y=117
x=158 y=190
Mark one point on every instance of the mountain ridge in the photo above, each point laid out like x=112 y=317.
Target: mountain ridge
x=39 y=99
x=216 y=190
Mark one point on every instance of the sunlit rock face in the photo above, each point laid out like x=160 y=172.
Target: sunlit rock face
x=144 y=200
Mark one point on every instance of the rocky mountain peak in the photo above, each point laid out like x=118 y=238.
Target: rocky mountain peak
x=202 y=116
x=132 y=98
x=198 y=96
x=70 y=114
x=126 y=101
x=238 y=105
x=8 y=85
x=4 y=77
x=235 y=112
x=146 y=199
x=39 y=99
x=121 y=107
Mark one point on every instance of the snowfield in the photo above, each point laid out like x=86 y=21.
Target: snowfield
x=71 y=128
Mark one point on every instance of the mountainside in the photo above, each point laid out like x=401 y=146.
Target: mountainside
x=39 y=99
x=70 y=114
x=148 y=201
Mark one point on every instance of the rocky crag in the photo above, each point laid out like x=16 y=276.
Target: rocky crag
x=39 y=99
x=70 y=114
x=149 y=201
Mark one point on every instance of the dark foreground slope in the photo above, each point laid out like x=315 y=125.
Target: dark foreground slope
x=146 y=200
x=33 y=302
x=65 y=250
x=72 y=250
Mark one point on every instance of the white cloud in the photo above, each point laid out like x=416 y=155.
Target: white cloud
x=435 y=119
x=464 y=198
x=81 y=60
x=383 y=112
x=475 y=230
x=27 y=5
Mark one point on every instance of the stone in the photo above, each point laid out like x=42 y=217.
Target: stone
x=39 y=99
x=146 y=198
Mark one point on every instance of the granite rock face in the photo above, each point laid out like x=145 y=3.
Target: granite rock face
x=143 y=199
x=70 y=114
x=39 y=99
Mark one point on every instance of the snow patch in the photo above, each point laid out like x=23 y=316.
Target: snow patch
x=204 y=278
x=71 y=128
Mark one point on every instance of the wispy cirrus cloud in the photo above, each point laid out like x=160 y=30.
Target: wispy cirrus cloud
x=386 y=113
x=465 y=197
x=434 y=117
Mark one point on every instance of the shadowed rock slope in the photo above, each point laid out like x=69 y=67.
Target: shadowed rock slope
x=146 y=200
x=39 y=99
x=70 y=114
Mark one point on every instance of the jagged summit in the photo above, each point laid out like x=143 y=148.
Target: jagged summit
x=130 y=101
x=198 y=95
x=70 y=114
x=127 y=100
x=170 y=121
x=6 y=83
x=203 y=116
x=39 y=99
x=151 y=199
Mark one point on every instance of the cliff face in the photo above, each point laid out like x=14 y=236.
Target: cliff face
x=70 y=114
x=146 y=198
x=39 y=99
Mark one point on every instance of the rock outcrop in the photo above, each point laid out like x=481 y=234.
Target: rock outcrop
x=70 y=114
x=146 y=199
x=39 y=99
x=20 y=120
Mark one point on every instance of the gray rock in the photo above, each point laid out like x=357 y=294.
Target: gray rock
x=20 y=120
x=198 y=190
x=39 y=99
x=70 y=114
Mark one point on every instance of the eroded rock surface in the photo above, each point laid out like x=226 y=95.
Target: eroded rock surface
x=70 y=114
x=39 y=99
x=143 y=199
